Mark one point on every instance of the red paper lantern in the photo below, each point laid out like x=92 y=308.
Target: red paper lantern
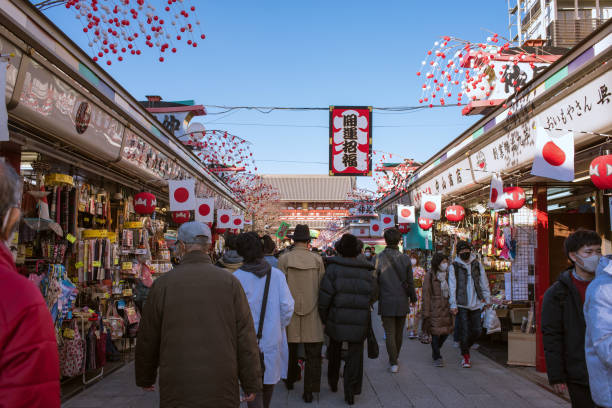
x=180 y=217
x=514 y=197
x=455 y=213
x=425 y=223
x=404 y=228
x=144 y=203
x=601 y=172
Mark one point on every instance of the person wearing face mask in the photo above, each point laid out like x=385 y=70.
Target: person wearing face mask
x=437 y=317
x=563 y=319
x=414 y=317
x=29 y=362
x=469 y=294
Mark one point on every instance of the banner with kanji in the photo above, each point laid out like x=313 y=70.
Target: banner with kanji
x=350 y=141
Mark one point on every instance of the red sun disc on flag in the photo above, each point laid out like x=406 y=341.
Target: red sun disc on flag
x=181 y=194
x=204 y=210
x=387 y=220
x=553 y=155
x=225 y=218
x=430 y=206
x=405 y=213
x=375 y=227
x=237 y=221
x=494 y=194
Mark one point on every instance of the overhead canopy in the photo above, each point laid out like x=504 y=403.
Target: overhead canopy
x=309 y=188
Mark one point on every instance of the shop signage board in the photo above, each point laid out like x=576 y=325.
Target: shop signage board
x=350 y=141
x=282 y=230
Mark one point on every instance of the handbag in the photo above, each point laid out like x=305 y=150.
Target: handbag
x=262 y=315
x=132 y=314
x=114 y=322
x=101 y=347
x=406 y=285
x=71 y=354
x=373 y=349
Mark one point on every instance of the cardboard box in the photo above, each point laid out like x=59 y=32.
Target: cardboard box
x=522 y=349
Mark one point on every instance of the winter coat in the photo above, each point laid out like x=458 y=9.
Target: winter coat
x=347 y=290
x=29 y=362
x=598 y=340
x=563 y=332
x=198 y=330
x=468 y=284
x=392 y=298
x=304 y=271
x=279 y=310
x=437 y=318
x=230 y=261
x=272 y=260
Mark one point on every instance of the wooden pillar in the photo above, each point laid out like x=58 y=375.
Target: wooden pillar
x=542 y=269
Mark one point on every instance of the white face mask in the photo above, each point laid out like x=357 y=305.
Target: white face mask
x=413 y=261
x=443 y=266
x=589 y=264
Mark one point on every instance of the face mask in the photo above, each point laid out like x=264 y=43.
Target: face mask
x=589 y=264
x=465 y=256
x=413 y=261
x=368 y=254
x=443 y=267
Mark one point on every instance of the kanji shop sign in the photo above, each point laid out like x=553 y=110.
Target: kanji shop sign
x=350 y=141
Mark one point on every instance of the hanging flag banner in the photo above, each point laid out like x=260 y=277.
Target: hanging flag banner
x=224 y=219
x=405 y=214
x=554 y=156
x=238 y=221
x=376 y=228
x=205 y=210
x=350 y=140
x=431 y=206
x=282 y=230
x=496 y=193
x=387 y=221
x=182 y=195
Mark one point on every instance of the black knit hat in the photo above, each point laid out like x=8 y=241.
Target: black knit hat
x=348 y=246
x=463 y=245
x=301 y=233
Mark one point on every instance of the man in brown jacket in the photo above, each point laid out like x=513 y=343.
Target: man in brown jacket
x=304 y=271
x=197 y=328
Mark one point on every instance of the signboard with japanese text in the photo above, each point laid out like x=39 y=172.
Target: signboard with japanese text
x=350 y=141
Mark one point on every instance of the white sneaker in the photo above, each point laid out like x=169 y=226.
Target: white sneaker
x=394 y=369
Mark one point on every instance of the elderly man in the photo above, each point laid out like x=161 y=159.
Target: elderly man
x=29 y=365
x=197 y=328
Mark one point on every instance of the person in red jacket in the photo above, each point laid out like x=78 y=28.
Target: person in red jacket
x=29 y=363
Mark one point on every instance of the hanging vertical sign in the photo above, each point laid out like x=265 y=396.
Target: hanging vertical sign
x=350 y=141
x=4 y=134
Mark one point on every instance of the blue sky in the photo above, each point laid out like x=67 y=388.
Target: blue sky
x=312 y=53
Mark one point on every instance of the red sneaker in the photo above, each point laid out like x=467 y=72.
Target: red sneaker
x=465 y=363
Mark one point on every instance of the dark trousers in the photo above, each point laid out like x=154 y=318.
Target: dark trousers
x=262 y=399
x=457 y=332
x=353 y=367
x=436 y=344
x=394 y=333
x=312 y=371
x=470 y=328
x=580 y=395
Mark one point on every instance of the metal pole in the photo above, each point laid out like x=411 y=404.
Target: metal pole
x=576 y=16
x=518 y=23
x=542 y=267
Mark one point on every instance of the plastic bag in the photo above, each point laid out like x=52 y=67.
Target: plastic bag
x=491 y=321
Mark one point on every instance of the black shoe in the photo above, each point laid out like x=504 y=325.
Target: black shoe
x=333 y=387
x=288 y=384
x=307 y=397
x=350 y=399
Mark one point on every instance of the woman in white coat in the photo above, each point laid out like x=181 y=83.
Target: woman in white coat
x=279 y=310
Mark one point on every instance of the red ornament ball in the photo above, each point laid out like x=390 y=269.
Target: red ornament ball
x=601 y=172
x=181 y=217
x=455 y=213
x=144 y=203
x=425 y=223
x=514 y=197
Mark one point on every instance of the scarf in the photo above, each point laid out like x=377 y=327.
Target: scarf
x=443 y=283
x=258 y=268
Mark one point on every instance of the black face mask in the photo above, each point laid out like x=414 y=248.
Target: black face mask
x=465 y=256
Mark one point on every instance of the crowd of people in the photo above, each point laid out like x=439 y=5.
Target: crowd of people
x=214 y=334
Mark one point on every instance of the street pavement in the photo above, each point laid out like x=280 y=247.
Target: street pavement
x=418 y=384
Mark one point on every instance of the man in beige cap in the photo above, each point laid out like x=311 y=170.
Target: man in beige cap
x=304 y=271
x=197 y=328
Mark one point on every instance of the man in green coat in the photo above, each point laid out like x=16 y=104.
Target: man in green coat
x=198 y=330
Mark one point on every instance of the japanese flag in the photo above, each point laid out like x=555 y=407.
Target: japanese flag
x=224 y=219
x=376 y=228
x=496 y=193
x=405 y=214
x=248 y=222
x=554 y=157
x=205 y=210
x=238 y=221
x=182 y=195
x=431 y=206
x=387 y=221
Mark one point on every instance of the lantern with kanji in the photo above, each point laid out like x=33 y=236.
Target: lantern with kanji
x=180 y=217
x=455 y=213
x=514 y=197
x=425 y=223
x=403 y=228
x=601 y=172
x=144 y=203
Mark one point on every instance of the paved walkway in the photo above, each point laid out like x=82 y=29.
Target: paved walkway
x=418 y=384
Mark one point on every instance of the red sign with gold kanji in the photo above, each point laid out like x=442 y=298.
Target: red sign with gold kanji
x=350 y=141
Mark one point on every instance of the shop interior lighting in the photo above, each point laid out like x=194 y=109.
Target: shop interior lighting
x=578 y=180
x=555 y=207
x=560 y=195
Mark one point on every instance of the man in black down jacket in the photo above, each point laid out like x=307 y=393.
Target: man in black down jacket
x=393 y=268
x=345 y=296
x=563 y=324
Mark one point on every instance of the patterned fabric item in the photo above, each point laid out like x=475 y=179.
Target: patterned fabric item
x=71 y=354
